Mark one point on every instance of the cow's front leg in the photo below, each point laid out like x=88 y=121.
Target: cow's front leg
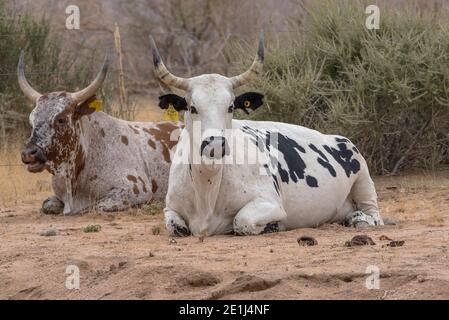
x=364 y=195
x=259 y=216
x=52 y=205
x=175 y=224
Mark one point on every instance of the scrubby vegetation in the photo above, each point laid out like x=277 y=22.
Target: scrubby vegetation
x=386 y=89
x=92 y=228
x=153 y=208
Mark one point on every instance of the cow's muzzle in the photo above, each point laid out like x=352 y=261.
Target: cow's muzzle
x=34 y=158
x=214 y=147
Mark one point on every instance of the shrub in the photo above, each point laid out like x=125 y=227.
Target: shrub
x=92 y=228
x=153 y=208
x=386 y=89
x=156 y=230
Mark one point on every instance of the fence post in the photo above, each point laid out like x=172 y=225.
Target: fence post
x=3 y=128
x=121 y=78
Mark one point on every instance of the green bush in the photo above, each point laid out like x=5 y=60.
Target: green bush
x=92 y=228
x=153 y=208
x=386 y=89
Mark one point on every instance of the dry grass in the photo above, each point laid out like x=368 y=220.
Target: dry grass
x=417 y=196
x=17 y=185
x=147 y=109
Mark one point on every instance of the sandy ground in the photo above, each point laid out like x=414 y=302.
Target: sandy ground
x=128 y=259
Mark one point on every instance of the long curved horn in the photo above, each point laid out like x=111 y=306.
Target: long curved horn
x=29 y=92
x=162 y=73
x=89 y=91
x=255 y=69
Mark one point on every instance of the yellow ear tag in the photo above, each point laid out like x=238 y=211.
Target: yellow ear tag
x=171 y=114
x=247 y=104
x=97 y=105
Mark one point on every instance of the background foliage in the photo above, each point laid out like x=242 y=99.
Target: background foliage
x=386 y=89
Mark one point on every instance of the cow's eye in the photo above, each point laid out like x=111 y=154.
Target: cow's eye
x=231 y=109
x=61 y=120
x=193 y=110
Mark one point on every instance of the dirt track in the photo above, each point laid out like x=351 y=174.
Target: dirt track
x=116 y=262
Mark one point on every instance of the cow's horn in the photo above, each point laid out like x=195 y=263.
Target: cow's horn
x=161 y=71
x=254 y=70
x=89 y=91
x=29 y=92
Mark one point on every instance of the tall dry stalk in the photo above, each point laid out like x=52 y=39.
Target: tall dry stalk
x=3 y=128
x=126 y=110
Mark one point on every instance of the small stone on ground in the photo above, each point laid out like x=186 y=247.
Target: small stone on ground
x=50 y=232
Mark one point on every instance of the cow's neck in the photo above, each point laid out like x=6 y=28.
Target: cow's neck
x=206 y=181
x=206 y=186
x=70 y=170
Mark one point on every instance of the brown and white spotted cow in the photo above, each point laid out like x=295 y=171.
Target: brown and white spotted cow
x=97 y=161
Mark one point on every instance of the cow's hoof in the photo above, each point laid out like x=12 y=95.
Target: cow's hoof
x=271 y=228
x=175 y=224
x=361 y=224
x=360 y=220
x=52 y=205
x=177 y=230
x=180 y=231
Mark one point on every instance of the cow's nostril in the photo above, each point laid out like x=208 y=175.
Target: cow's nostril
x=32 y=154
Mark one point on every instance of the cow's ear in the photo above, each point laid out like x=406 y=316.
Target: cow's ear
x=179 y=103
x=84 y=108
x=248 y=100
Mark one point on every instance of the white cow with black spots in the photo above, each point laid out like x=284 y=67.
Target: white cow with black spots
x=309 y=179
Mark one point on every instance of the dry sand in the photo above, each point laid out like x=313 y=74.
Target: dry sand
x=126 y=260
